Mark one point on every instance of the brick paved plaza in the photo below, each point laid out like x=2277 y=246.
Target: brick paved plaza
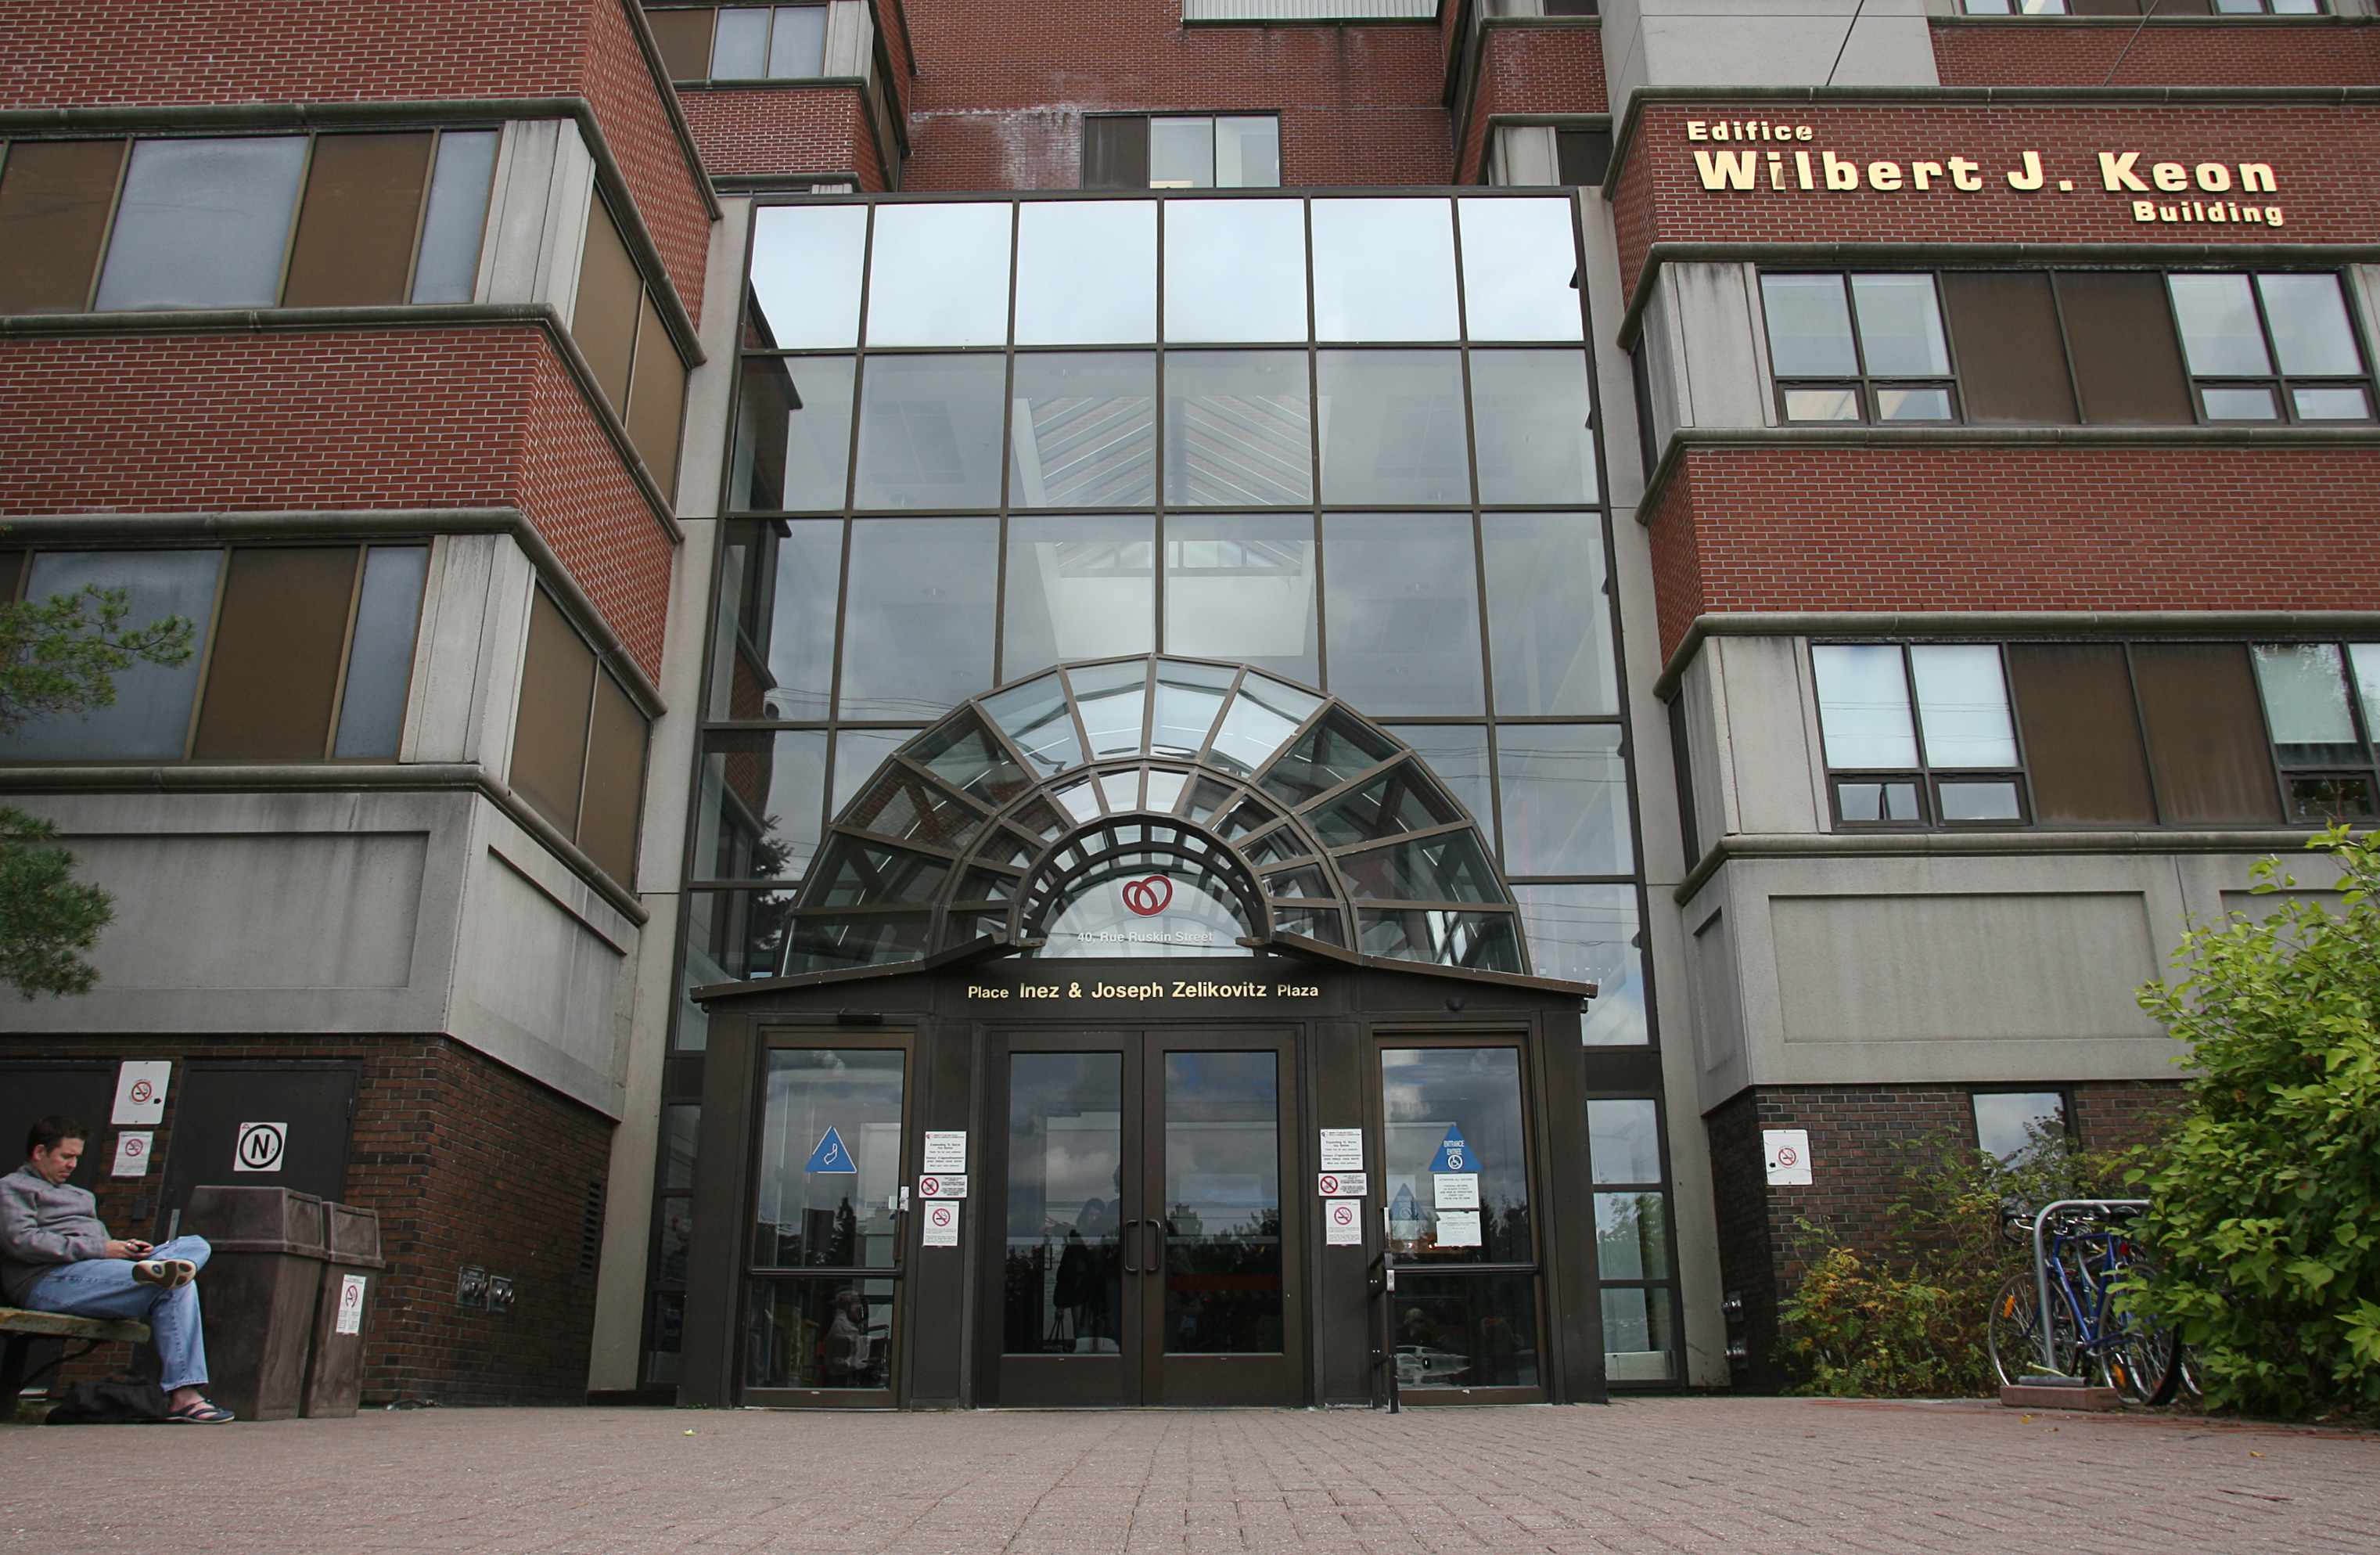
x=1651 y=1474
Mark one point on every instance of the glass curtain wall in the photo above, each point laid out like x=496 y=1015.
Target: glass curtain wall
x=1349 y=441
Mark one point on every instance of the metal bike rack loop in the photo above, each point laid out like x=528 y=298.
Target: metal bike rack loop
x=2041 y=1267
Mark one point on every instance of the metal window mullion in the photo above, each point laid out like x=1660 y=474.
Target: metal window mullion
x=346 y=653
x=206 y=655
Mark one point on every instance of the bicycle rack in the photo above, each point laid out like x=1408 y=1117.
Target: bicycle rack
x=2041 y=1267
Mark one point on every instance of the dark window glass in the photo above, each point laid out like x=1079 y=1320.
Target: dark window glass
x=549 y=732
x=731 y=936
x=929 y=432
x=918 y=620
x=1476 y=1330
x=821 y=1202
x=2011 y=357
x=2081 y=735
x=1401 y=600
x=1063 y=1291
x=2127 y=361
x=1549 y=615
x=2205 y=734
x=1115 y=151
x=354 y=234
x=1085 y=433
x=775 y=657
x=604 y=319
x=203 y=224
x=792 y=433
x=55 y=197
x=1393 y=431
x=684 y=40
x=760 y=804
x=1533 y=421
x=1238 y=428
x=656 y=398
x=1222 y=1203
x=273 y=672
x=1457 y=1170
x=615 y=782
x=1581 y=157
x=1242 y=590
x=820 y=1333
x=1565 y=799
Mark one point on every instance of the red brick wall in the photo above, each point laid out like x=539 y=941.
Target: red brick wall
x=2224 y=52
x=786 y=131
x=1858 y=1146
x=433 y=418
x=1530 y=70
x=82 y=53
x=2317 y=151
x=466 y=1162
x=1001 y=90
x=2016 y=528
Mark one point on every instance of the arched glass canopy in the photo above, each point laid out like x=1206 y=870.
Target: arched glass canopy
x=1153 y=806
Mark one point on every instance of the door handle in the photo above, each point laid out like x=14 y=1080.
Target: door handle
x=1124 y=1241
x=1156 y=1247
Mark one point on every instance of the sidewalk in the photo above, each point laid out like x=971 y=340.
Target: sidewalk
x=1693 y=1475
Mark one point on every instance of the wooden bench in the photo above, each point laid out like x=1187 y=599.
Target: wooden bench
x=22 y=1328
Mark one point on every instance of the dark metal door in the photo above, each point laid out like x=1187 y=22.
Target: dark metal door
x=1145 y=1189
x=260 y=1127
x=29 y=1092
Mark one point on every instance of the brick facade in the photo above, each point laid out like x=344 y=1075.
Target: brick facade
x=786 y=132
x=2171 y=50
x=1929 y=527
x=1525 y=70
x=448 y=416
x=465 y=1162
x=1859 y=1142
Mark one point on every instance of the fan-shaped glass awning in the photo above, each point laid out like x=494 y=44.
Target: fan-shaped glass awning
x=1153 y=806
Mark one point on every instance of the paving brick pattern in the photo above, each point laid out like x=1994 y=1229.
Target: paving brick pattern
x=1669 y=1475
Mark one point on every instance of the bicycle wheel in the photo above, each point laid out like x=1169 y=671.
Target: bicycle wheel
x=2143 y=1357
x=2013 y=1333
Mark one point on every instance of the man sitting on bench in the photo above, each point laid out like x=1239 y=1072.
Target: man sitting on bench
x=56 y=1256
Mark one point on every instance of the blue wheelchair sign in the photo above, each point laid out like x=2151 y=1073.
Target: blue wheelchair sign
x=831 y=1155
x=1453 y=1153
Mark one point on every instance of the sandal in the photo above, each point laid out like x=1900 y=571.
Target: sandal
x=199 y=1412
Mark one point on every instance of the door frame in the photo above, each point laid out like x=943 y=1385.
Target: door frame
x=1287 y=1382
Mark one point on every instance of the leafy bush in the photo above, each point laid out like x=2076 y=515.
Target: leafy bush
x=1908 y=1317
x=2267 y=1218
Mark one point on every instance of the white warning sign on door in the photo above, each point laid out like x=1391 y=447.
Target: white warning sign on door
x=351 y=1303
x=1343 y=1223
x=941 y=1223
x=132 y=1153
x=259 y=1147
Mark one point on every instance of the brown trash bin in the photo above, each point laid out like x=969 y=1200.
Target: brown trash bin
x=335 y=1375
x=257 y=1294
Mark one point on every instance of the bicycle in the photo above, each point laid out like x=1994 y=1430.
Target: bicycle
x=2094 y=1332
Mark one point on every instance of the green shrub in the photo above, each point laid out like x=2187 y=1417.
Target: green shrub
x=2267 y=1218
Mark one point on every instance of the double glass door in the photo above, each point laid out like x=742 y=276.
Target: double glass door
x=1149 y=1249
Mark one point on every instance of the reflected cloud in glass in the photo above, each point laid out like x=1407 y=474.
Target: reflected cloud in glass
x=1087 y=272
x=939 y=275
x=1531 y=409
x=1077 y=589
x=1401 y=600
x=1393 y=427
x=1517 y=259
x=1384 y=270
x=929 y=432
x=917 y=614
x=1234 y=270
x=805 y=262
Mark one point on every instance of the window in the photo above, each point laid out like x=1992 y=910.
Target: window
x=1309 y=10
x=1950 y=762
x=302 y=652
x=1857 y=348
x=620 y=333
x=2011 y=1122
x=2046 y=348
x=579 y=743
x=1631 y=1239
x=2100 y=734
x=297 y=221
x=741 y=43
x=2135 y=8
x=1188 y=152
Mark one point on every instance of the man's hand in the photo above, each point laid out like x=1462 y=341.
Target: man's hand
x=134 y=1249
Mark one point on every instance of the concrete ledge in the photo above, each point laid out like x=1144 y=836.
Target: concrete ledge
x=2051 y=1396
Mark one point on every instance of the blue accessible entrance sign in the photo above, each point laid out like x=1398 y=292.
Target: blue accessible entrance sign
x=830 y=1156
x=1453 y=1154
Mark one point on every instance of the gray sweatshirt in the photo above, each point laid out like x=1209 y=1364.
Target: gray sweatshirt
x=42 y=1226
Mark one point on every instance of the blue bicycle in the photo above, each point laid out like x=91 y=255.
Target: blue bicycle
x=2094 y=1333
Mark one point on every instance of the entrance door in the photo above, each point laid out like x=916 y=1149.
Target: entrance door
x=1149 y=1255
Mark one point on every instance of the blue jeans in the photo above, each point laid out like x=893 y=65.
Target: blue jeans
x=104 y=1288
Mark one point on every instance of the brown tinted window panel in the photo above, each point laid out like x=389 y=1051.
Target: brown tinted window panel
x=2081 y=737
x=1115 y=153
x=2127 y=361
x=2011 y=362
x=1582 y=157
x=354 y=247
x=272 y=672
x=12 y=575
x=684 y=40
x=615 y=782
x=2205 y=734
x=604 y=319
x=550 y=734
x=55 y=199
x=657 y=399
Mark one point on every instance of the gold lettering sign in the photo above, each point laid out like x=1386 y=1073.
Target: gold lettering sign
x=1819 y=170
x=1166 y=988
